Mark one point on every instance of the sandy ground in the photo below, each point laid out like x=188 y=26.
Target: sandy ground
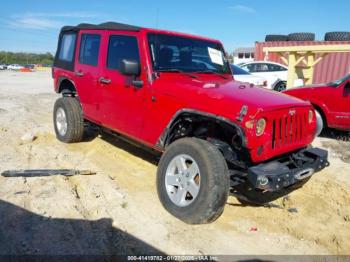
x=117 y=210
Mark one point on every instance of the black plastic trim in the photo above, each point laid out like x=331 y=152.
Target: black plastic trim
x=278 y=174
x=103 y=26
x=161 y=143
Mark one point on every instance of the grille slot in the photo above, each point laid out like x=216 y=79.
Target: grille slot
x=288 y=129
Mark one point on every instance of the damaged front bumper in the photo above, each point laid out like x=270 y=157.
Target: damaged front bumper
x=284 y=172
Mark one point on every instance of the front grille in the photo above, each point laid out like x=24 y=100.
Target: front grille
x=289 y=129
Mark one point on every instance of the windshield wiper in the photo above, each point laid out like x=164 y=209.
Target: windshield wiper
x=174 y=70
x=211 y=72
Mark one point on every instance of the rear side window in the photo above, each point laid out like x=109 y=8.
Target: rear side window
x=89 y=49
x=122 y=47
x=251 y=68
x=66 y=51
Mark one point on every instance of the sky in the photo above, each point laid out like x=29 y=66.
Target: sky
x=33 y=25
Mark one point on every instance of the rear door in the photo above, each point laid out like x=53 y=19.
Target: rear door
x=123 y=104
x=87 y=72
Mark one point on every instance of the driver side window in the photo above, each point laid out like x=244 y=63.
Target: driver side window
x=122 y=47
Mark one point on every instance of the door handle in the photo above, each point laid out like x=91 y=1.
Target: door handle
x=79 y=73
x=104 y=80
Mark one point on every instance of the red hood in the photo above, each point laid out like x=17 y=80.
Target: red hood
x=216 y=95
x=245 y=94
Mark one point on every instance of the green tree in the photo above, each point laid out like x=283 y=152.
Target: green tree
x=25 y=58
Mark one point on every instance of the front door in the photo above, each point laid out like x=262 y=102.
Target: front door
x=342 y=113
x=123 y=104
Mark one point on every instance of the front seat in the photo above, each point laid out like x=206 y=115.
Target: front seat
x=165 y=55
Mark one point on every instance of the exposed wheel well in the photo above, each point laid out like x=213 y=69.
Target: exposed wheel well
x=228 y=138
x=66 y=87
x=319 y=109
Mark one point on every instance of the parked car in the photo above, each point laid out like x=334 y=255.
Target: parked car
x=3 y=67
x=331 y=101
x=274 y=73
x=240 y=74
x=175 y=93
x=15 y=67
x=29 y=66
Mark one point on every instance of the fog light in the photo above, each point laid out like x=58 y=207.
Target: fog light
x=263 y=180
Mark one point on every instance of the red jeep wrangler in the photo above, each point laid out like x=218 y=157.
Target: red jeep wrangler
x=175 y=93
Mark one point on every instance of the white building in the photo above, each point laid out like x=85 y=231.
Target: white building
x=243 y=55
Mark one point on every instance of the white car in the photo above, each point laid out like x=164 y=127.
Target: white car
x=3 y=67
x=275 y=74
x=241 y=75
x=14 y=67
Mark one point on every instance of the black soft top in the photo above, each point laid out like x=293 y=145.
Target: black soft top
x=103 y=26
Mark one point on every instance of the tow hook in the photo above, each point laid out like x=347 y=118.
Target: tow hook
x=304 y=173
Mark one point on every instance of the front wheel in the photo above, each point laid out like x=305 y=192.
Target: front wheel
x=319 y=122
x=193 y=181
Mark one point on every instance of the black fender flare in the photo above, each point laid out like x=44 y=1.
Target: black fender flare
x=162 y=140
x=60 y=80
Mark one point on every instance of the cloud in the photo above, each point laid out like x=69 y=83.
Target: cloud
x=243 y=9
x=34 y=23
x=46 y=21
x=79 y=14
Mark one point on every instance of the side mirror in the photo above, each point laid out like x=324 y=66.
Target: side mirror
x=130 y=68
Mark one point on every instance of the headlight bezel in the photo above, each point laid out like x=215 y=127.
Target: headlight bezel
x=260 y=126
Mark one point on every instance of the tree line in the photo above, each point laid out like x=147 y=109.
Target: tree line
x=25 y=58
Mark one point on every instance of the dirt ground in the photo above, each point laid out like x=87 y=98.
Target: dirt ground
x=117 y=210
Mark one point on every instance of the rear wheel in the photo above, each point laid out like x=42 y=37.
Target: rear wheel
x=193 y=181
x=68 y=120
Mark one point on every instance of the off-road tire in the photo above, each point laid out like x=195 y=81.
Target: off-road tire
x=214 y=181
x=276 y=38
x=75 y=120
x=337 y=36
x=301 y=37
x=280 y=86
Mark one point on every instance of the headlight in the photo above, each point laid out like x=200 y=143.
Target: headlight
x=260 y=126
x=311 y=116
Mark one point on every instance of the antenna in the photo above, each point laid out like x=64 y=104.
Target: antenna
x=157 y=15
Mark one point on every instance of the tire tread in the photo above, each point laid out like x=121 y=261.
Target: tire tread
x=75 y=120
x=210 y=207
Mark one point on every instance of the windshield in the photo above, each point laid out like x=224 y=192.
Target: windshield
x=339 y=81
x=236 y=70
x=176 y=53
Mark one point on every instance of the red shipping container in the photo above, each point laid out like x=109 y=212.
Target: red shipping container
x=332 y=66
